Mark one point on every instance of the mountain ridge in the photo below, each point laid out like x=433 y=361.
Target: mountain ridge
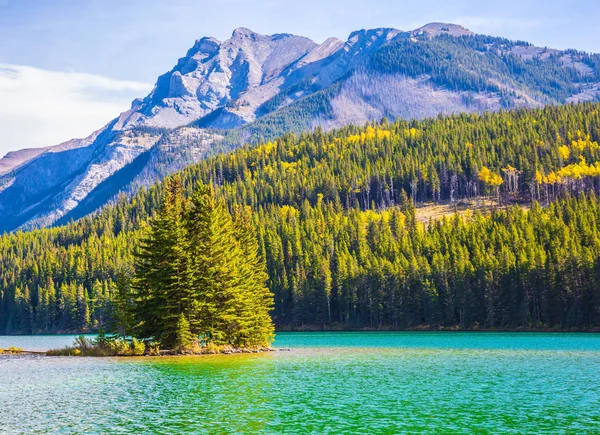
x=254 y=87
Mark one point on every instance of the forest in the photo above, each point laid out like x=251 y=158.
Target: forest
x=334 y=215
x=490 y=64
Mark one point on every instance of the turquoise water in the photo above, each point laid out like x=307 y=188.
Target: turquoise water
x=327 y=383
x=37 y=342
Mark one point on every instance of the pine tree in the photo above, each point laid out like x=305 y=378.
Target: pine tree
x=162 y=279
x=199 y=274
x=259 y=329
x=122 y=315
x=222 y=274
x=184 y=340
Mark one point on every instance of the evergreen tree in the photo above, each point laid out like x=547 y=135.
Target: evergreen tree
x=184 y=340
x=122 y=316
x=197 y=276
x=258 y=329
x=228 y=278
x=162 y=282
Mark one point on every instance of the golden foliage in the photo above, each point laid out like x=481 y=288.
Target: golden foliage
x=490 y=178
x=369 y=134
x=564 y=152
x=581 y=169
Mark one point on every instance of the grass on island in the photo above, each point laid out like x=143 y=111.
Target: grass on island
x=105 y=346
x=117 y=346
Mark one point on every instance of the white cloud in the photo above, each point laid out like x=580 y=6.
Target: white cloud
x=40 y=107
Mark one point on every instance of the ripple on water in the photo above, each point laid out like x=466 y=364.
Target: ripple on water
x=490 y=386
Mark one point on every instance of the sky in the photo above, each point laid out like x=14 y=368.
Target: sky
x=67 y=67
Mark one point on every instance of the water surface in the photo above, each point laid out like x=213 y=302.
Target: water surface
x=408 y=382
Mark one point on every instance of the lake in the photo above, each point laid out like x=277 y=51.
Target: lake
x=380 y=382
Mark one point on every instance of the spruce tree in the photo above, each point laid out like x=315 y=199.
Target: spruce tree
x=162 y=270
x=184 y=340
x=198 y=275
x=122 y=320
x=258 y=329
x=219 y=271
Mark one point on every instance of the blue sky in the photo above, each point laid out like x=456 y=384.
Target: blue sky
x=69 y=66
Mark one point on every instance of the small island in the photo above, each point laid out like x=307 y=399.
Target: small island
x=198 y=285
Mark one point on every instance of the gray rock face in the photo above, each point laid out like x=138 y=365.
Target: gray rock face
x=436 y=29
x=251 y=87
x=333 y=59
x=214 y=73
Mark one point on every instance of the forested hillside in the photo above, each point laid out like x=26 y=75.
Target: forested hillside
x=486 y=63
x=334 y=214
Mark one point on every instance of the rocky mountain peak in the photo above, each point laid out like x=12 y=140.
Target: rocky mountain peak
x=435 y=29
x=373 y=34
x=243 y=32
x=206 y=45
x=213 y=73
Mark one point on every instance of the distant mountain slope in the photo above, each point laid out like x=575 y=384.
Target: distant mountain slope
x=254 y=87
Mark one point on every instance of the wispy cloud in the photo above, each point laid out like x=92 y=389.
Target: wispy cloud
x=40 y=107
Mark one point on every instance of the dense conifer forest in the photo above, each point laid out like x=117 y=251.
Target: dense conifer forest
x=334 y=215
x=489 y=63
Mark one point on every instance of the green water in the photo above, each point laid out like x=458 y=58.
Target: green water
x=327 y=383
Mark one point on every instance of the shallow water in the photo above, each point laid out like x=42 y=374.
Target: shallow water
x=409 y=382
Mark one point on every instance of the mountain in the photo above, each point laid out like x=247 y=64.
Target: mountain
x=254 y=87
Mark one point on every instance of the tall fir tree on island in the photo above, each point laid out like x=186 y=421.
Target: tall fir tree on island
x=198 y=275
